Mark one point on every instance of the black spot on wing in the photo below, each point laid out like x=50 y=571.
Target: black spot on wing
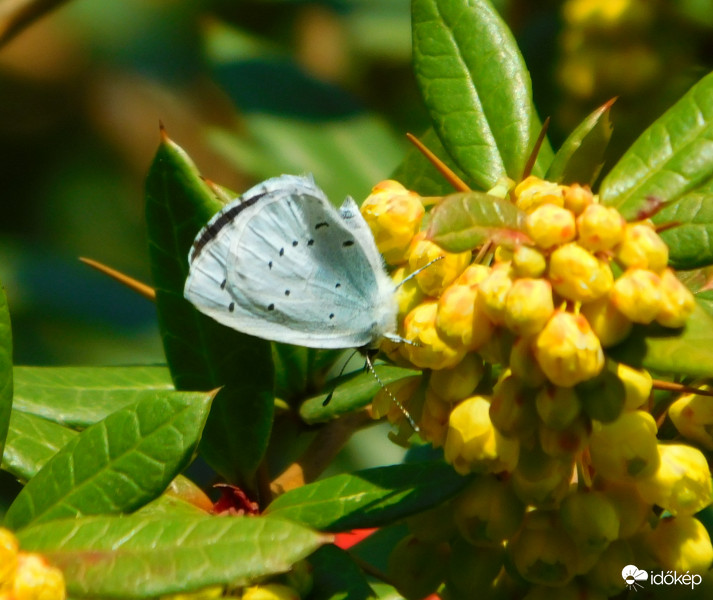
x=347 y=243
x=231 y=307
x=321 y=224
x=271 y=307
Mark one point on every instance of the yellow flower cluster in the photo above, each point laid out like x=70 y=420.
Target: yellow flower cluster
x=571 y=471
x=25 y=575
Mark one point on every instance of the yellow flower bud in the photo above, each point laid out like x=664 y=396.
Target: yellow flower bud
x=577 y=198
x=600 y=228
x=566 y=442
x=523 y=364
x=549 y=225
x=528 y=262
x=642 y=248
x=626 y=448
x=455 y=384
x=578 y=275
x=528 y=306
x=590 y=519
x=461 y=320
x=608 y=324
x=637 y=295
x=429 y=350
x=681 y=544
x=493 y=291
x=512 y=408
x=409 y=294
x=567 y=350
x=487 y=511
x=436 y=277
x=434 y=418
x=473 y=444
x=677 y=302
x=637 y=385
x=542 y=480
x=35 y=579
x=682 y=482
x=394 y=216
x=270 y=591
x=8 y=558
x=558 y=407
x=632 y=509
x=533 y=192
x=605 y=576
x=473 y=275
x=693 y=417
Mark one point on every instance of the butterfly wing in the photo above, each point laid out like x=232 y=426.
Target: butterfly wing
x=284 y=265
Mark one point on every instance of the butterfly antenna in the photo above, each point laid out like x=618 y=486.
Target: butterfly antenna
x=393 y=398
x=417 y=271
x=328 y=399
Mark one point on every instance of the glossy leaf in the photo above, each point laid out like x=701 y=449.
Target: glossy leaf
x=337 y=577
x=369 y=498
x=466 y=220
x=6 y=383
x=581 y=157
x=118 y=464
x=681 y=352
x=31 y=442
x=202 y=354
x=673 y=157
x=81 y=396
x=351 y=392
x=476 y=88
x=148 y=556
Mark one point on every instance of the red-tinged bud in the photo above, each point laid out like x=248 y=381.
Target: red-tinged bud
x=600 y=228
x=577 y=198
x=693 y=417
x=394 y=216
x=473 y=275
x=565 y=443
x=677 y=302
x=512 y=408
x=528 y=262
x=533 y=192
x=637 y=295
x=436 y=277
x=578 y=275
x=549 y=225
x=528 y=306
x=493 y=292
x=558 y=407
x=461 y=321
x=642 y=248
x=429 y=350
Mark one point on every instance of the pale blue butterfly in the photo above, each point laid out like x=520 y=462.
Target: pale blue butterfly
x=281 y=263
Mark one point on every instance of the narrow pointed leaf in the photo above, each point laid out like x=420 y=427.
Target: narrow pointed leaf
x=350 y=393
x=581 y=157
x=118 y=464
x=202 y=354
x=369 y=498
x=673 y=157
x=31 y=442
x=681 y=352
x=6 y=384
x=476 y=88
x=81 y=396
x=466 y=220
x=148 y=556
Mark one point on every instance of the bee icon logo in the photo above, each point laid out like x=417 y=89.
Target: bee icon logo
x=632 y=575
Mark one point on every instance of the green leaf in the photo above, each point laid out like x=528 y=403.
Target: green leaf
x=369 y=498
x=6 y=384
x=81 y=396
x=349 y=393
x=681 y=352
x=144 y=557
x=673 y=157
x=690 y=243
x=118 y=464
x=581 y=157
x=337 y=577
x=466 y=220
x=418 y=174
x=476 y=88
x=202 y=354
x=31 y=442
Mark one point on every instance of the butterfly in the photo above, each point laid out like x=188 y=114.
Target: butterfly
x=281 y=263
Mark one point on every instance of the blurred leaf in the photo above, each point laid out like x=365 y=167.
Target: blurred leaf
x=466 y=220
x=144 y=557
x=418 y=174
x=681 y=352
x=31 y=442
x=476 y=87
x=118 y=464
x=690 y=243
x=6 y=384
x=673 y=157
x=202 y=354
x=16 y=16
x=369 y=498
x=581 y=157
x=350 y=392
x=81 y=396
x=337 y=577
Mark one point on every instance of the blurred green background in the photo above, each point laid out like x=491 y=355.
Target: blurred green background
x=252 y=89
